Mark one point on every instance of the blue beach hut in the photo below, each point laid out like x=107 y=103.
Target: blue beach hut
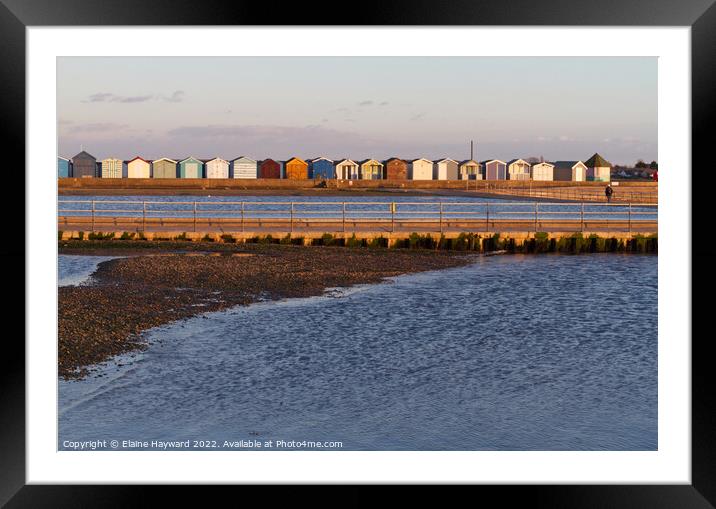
x=322 y=167
x=64 y=168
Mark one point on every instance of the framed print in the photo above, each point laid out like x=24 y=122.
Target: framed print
x=421 y=249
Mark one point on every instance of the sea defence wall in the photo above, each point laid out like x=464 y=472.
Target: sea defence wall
x=66 y=184
x=487 y=241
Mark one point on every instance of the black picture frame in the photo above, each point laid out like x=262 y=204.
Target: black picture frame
x=700 y=15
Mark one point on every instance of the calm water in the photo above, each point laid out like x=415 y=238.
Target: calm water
x=75 y=269
x=510 y=353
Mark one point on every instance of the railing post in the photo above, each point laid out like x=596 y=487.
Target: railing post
x=195 y=217
x=441 y=218
x=291 y=223
x=144 y=216
x=582 y=218
x=536 y=205
x=92 y=216
x=487 y=216
x=392 y=217
x=242 y=217
x=344 y=217
x=629 y=217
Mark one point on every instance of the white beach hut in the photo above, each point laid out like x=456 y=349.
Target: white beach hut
x=244 y=168
x=420 y=169
x=217 y=168
x=446 y=169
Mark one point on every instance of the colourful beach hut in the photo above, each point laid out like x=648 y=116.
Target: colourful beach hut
x=191 y=168
x=139 y=168
x=217 y=168
x=495 y=169
x=296 y=169
x=164 y=168
x=518 y=169
x=84 y=165
x=542 y=171
x=396 y=169
x=420 y=169
x=470 y=170
x=347 y=169
x=575 y=171
x=244 y=168
x=370 y=169
x=445 y=169
x=322 y=168
x=598 y=169
x=269 y=169
x=112 y=168
x=64 y=169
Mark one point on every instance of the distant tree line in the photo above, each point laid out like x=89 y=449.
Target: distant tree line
x=641 y=164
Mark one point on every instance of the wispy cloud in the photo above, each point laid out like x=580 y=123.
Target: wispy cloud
x=418 y=116
x=107 y=97
x=384 y=103
x=365 y=103
x=249 y=131
x=176 y=97
x=98 y=127
x=562 y=138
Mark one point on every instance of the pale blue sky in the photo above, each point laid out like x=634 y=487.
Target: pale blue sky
x=556 y=107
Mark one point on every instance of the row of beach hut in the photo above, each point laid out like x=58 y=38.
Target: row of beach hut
x=596 y=168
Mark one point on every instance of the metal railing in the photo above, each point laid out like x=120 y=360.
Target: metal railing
x=343 y=216
x=580 y=194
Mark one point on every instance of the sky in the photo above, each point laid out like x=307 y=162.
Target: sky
x=559 y=108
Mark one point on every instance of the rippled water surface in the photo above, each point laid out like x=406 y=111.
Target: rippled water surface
x=510 y=353
x=77 y=269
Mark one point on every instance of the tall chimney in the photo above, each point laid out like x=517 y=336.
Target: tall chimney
x=471 y=150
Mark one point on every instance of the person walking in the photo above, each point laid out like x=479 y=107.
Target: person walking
x=608 y=191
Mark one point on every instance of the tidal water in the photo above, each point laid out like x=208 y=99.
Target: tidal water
x=516 y=352
x=366 y=207
x=77 y=269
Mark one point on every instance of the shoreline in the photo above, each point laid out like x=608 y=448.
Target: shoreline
x=127 y=296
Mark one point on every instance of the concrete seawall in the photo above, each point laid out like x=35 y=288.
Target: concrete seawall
x=513 y=240
x=70 y=184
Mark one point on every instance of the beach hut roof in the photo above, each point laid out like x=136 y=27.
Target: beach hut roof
x=468 y=161
x=597 y=161
x=566 y=164
x=165 y=159
x=363 y=161
x=137 y=157
x=421 y=159
x=446 y=159
x=85 y=153
x=191 y=158
x=245 y=158
x=321 y=159
x=492 y=161
x=344 y=161
x=516 y=160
